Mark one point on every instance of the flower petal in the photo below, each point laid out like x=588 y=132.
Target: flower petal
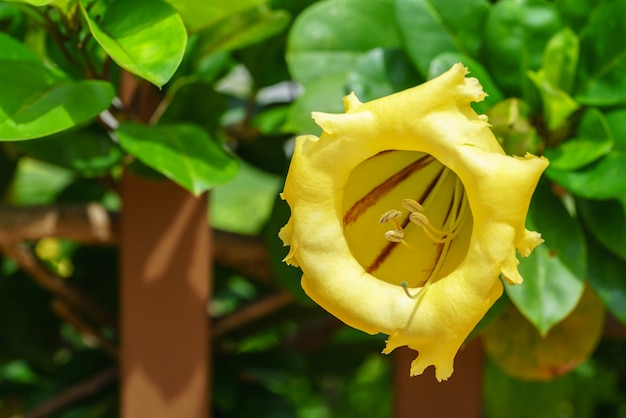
x=436 y=119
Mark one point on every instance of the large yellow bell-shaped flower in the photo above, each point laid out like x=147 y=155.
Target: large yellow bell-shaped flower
x=404 y=213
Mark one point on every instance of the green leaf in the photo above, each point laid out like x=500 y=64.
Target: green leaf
x=323 y=95
x=602 y=71
x=511 y=124
x=198 y=15
x=89 y=152
x=266 y=61
x=557 y=104
x=516 y=32
x=555 y=79
x=33 y=2
x=11 y=49
x=244 y=204
x=145 y=37
x=606 y=220
x=593 y=140
x=189 y=100
x=184 y=153
x=576 y=12
x=243 y=29
x=554 y=273
x=561 y=231
x=606 y=276
x=38 y=183
x=330 y=36
x=605 y=178
x=560 y=59
x=381 y=72
x=443 y=62
x=430 y=28
x=36 y=102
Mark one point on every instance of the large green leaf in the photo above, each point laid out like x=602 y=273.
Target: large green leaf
x=606 y=219
x=381 y=72
x=605 y=178
x=516 y=32
x=330 y=36
x=323 y=95
x=245 y=28
x=198 y=15
x=90 y=152
x=146 y=37
x=184 y=153
x=431 y=27
x=606 y=276
x=37 y=102
x=602 y=72
x=11 y=49
x=593 y=140
x=554 y=273
x=443 y=62
x=245 y=204
x=561 y=231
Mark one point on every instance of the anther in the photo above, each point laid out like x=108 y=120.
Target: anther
x=419 y=219
x=412 y=205
x=394 y=235
x=388 y=216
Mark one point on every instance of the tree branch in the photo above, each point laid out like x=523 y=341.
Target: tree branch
x=89 y=224
x=93 y=224
x=75 y=393
x=250 y=313
x=245 y=254
x=66 y=313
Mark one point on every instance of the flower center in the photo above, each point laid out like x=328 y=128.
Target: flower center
x=420 y=244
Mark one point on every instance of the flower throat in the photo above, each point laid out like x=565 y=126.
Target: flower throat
x=419 y=245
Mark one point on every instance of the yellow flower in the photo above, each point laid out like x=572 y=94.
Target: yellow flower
x=427 y=273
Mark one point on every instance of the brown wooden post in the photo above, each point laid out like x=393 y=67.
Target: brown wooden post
x=423 y=397
x=165 y=247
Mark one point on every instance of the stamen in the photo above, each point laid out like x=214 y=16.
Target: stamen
x=422 y=221
x=390 y=215
x=412 y=205
x=419 y=219
x=451 y=226
x=394 y=235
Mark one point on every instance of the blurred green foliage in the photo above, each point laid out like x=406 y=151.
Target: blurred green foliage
x=236 y=81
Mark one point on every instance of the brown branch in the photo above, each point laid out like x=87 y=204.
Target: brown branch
x=247 y=255
x=65 y=312
x=56 y=285
x=75 y=393
x=93 y=224
x=250 y=313
x=89 y=224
